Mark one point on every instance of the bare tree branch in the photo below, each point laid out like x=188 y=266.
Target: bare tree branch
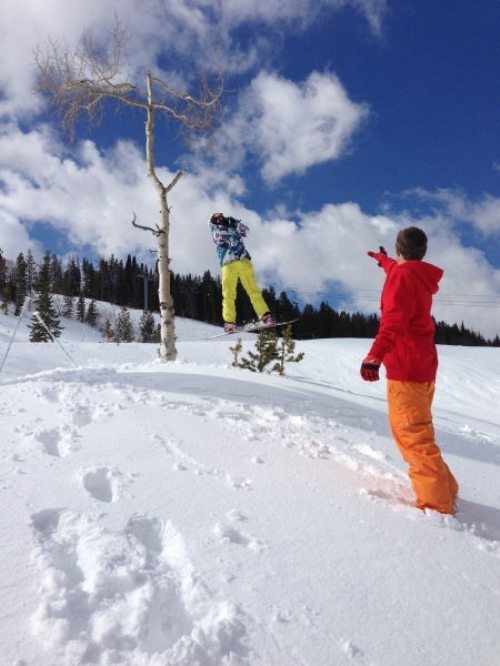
x=156 y=231
x=175 y=180
x=81 y=81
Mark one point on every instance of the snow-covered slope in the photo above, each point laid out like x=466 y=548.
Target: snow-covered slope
x=194 y=513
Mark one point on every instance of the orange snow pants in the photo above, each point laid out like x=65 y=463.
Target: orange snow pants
x=231 y=274
x=410 y=419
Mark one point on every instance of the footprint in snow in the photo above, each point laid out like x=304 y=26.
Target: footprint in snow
x=57 y=442
x=240 y=483
x=126 y=596
x=101 y=483
x=81 y=416
x=50 y=440
x=229 y=534
x=352 y=651
x=46 y=521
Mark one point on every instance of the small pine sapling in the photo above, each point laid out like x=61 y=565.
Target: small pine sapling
x=266 y=352
x=107 y=332
x=285 y=350
x=236 y=351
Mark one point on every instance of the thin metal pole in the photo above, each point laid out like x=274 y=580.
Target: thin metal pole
x=52 y=337
x=26 y=301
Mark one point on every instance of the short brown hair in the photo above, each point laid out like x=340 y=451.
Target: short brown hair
x=411 y=243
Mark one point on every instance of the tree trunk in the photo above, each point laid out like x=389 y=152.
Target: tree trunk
x=168 y=351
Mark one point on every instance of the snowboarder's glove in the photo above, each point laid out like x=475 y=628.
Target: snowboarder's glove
x=232 y=222
x=378 y=255
x=370 y=369
x=242 y=229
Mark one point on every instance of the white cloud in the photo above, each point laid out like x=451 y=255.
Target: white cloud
x=302 y=12
x=267 y=11
x=374 y=12
x=89 y=198
x=482 y=213
x=329 y=245
x=24 y=26
x=290 y=127
x=485 y=215
x=14 y=237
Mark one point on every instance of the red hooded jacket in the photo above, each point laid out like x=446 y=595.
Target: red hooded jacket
x=405 y=339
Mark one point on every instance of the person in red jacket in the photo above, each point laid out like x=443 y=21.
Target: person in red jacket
x=405 y=345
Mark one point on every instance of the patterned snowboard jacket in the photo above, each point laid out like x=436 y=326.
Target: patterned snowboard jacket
x=227 y=233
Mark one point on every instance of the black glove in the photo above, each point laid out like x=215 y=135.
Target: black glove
x=378 y=255
x=232 y=222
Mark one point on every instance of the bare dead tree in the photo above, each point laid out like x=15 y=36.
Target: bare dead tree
x=80 y=82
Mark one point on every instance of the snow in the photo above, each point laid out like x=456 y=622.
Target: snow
x=194 y=513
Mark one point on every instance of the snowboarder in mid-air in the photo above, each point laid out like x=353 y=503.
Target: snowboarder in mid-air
x=236 y=265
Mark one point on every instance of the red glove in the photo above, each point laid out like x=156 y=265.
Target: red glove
x=369 y=369
x=378 y=255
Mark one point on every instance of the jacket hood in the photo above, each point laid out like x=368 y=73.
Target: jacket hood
x=428 y=274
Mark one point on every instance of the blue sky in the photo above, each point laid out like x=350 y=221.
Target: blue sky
x=431 y=81
x=349 y=120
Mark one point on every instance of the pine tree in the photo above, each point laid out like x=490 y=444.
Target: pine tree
x=92 y=314
x=80 y=309
x=72 y=278
x=107 y=332
x=3 y=272
x=236 y=352
x=124 y=331
x=56 y=275
x=20 y=284
x=208 y=294
x=90 y=278
x=31 y=274
x=266 y=352
x=104 y=282
x=44 y=307
x=286 y=348
x=286 y=310
x=147 y=327
x=67 y=307
x=4 y=297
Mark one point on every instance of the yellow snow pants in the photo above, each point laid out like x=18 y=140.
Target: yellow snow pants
x=231 y=273
x=410 y=419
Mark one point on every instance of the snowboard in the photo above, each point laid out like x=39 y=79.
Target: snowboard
x=252 y=327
